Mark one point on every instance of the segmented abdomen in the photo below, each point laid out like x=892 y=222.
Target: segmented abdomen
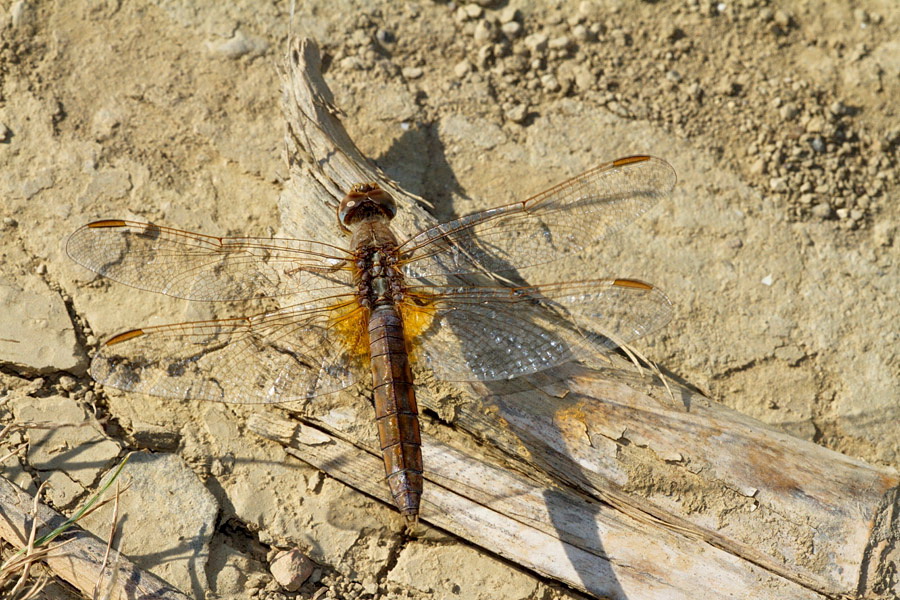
x=396 y=412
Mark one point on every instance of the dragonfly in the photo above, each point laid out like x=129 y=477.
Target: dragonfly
x=449 y=298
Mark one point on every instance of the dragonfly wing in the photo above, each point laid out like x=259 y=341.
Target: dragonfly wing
x=496 y=333
x=200 y=267
x=562 y=221
x=292 y=354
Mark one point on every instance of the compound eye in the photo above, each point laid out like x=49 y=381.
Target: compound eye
x=386 y=202
x=363 y=201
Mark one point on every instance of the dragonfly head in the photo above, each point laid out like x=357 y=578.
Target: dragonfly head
x=365 y=201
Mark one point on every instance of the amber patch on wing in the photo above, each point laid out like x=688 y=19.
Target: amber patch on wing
x=417 y=312
x=351 y=323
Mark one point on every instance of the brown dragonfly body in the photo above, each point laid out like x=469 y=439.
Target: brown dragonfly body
x=365 y=211
x=381 y=303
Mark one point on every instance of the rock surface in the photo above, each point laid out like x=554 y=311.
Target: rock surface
x=36 y=333
x=166 y=520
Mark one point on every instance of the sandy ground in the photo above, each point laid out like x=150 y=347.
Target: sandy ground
x=778 y=247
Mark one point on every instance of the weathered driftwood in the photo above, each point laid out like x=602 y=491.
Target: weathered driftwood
x=79 y=556
x=603 y=481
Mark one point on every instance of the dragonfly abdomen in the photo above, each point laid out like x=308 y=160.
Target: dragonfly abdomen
x=396 y=412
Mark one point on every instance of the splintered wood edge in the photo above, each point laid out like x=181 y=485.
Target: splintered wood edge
x=323 y=160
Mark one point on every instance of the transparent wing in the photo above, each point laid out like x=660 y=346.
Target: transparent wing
x=560 y=222
x=495 y=333
x=200 y=267
x=291 y=354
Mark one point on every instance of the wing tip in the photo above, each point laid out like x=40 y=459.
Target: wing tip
x=641 y=158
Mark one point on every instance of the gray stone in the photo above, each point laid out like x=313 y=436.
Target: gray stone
x=36 y=333
x=70 y=441
x=166 y=520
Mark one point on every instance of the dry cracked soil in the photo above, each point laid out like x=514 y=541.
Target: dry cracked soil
x=778 y=247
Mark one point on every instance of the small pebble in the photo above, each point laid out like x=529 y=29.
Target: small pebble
x=291 y=569
x=585 y=79
x=536 y=42
x=837 y=108
x=695 y=91
x=473 y=11
x=517 y=113
x=818 y=144
x=789 y=111
x=581 y=33
x=782 y=19
x=68 y=383
x=462 y=68
x=512 y=29
x=559 y=43
x=240 y=45
x=815 y=125
x=620 y=38
x=550 y=83
x=778 y=184
x=510 y=14
x=412 y=72
x=484 y=32
x=485 y=56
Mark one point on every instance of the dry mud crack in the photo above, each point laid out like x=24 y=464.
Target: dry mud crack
x=778 y=247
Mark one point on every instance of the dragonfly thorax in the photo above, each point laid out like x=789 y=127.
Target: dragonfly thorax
x=378 y=282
